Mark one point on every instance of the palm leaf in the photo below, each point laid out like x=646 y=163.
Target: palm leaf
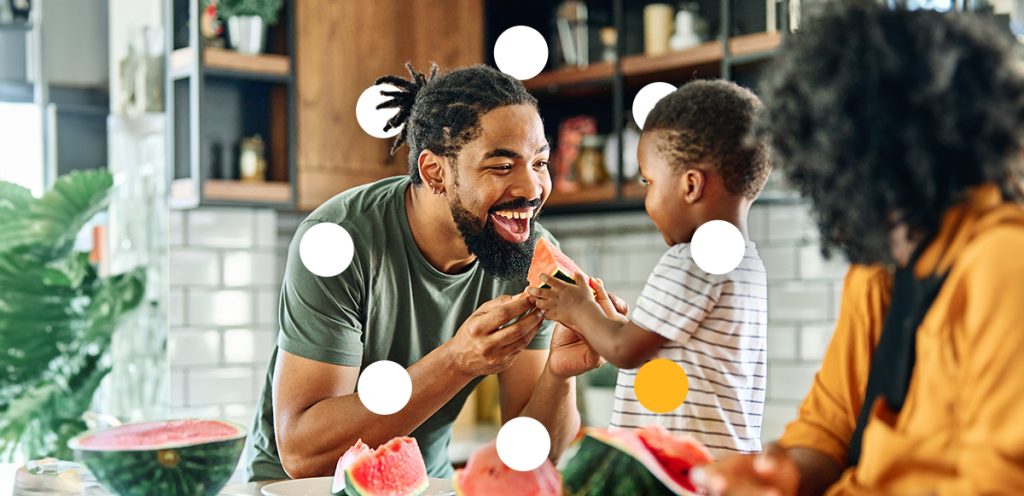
x=57 y=315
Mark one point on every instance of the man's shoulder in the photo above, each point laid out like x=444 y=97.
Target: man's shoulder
x=365 y=204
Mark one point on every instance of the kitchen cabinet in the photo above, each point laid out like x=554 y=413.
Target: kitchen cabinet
x=341 y=48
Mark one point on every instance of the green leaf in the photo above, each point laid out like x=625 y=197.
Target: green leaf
x=14 y=199
x=57 y=315
x=52 y=222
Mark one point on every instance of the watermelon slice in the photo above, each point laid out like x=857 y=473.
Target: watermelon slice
x=620 y=463
x=486 y=475
x=396 y=468
x=677 y=454
x=548 y=259
x=175 y=458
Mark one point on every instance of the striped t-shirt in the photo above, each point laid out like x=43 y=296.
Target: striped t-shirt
x=717 y=331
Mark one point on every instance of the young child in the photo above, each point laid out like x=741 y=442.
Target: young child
x=699 y=163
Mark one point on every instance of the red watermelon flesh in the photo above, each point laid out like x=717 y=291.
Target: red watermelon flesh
x=668 y=461
x=486 y=475
x=548 y=259
x=152 y=435
x=395 y=468
x=677 y=454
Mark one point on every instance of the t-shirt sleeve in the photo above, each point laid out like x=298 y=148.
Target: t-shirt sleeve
x=676 y=298
x=828 y=414
x=320 y=316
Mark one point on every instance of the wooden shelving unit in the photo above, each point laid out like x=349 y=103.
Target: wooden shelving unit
x=595 y=78
x=605 y=90
x=228 y=62
x=704 y=59
x=217 y=97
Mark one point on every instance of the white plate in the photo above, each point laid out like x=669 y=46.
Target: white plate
x=321 y=486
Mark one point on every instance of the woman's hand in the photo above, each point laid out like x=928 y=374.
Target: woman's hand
x=772 y=473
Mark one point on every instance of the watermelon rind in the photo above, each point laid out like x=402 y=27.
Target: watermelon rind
x=352 y=488
x=610 y=465
x=169 y=469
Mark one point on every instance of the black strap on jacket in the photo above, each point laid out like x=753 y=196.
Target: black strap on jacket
x=893 y=362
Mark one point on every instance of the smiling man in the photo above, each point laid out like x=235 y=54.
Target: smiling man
x=440 y=263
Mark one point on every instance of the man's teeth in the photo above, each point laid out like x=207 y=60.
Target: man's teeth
x=515 y=215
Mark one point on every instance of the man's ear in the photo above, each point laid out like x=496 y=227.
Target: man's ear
x=691 y=184
x=432 y=170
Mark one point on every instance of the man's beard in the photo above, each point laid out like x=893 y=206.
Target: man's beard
x=510 y=261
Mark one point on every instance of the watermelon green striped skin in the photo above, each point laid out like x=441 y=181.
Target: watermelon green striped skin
x=189 y=457
x=620 y=463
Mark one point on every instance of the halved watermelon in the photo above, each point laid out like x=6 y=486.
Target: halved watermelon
x=486 y=475
x=620 y=463
x=186 y=457
x=548 y=259
x=396 y=468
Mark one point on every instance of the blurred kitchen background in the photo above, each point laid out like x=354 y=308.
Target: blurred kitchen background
x=225 y=121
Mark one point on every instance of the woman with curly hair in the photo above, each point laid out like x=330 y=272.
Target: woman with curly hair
x=905 y=130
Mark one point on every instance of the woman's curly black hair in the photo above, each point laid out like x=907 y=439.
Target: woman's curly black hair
x=883 y=116
x=442 y=112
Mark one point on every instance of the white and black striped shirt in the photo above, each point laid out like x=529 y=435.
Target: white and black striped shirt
x=717 y=331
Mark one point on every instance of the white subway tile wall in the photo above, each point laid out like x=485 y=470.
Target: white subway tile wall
x=803 y=287
x=225 y=266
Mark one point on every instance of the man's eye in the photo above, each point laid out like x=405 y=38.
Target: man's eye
x=543 y=164
x=502 y=167
x=644 y=181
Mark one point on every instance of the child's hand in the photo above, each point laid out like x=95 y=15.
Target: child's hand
x=613 y=306
x=564 y=302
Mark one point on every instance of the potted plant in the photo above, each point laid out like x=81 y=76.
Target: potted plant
x=57 y=315
x=247 y=22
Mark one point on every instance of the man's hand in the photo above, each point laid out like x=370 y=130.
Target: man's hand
x=772 y=473
x=570 y=354
x=481 y=346
x=564 y=302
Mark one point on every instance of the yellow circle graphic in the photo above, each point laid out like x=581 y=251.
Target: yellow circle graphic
x=661 y=385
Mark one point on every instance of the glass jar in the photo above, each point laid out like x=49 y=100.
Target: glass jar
x=590 y=169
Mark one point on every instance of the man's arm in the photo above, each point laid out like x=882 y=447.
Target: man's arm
x=529 y=389
x=310 y=397
x=317 y=415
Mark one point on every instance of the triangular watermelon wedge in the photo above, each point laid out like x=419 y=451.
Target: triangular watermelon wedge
x=395 y=468
x=548 y=259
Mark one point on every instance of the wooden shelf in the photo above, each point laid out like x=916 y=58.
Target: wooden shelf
x=633 y=190
x=239 y=191
x=703 y=57
x=231 y=63
x=572 y=79
x=594 y=194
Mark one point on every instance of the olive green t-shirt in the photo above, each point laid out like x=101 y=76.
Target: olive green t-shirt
x=390 y=304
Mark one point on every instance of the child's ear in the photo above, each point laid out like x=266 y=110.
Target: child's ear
x=692 y=183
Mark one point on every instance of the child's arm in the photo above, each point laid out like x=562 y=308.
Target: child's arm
x=615 y=338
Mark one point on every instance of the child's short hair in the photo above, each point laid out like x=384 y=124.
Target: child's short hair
x=710 y=122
